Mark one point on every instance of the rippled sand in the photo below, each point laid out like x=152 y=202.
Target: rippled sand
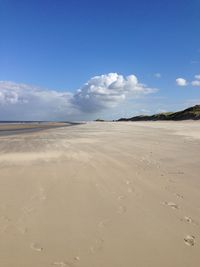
x=101 y=195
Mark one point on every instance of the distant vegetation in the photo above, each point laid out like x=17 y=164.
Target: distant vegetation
x=192 y=113
x=99 y=120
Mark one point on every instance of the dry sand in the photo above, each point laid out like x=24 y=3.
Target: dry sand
x=101 y=195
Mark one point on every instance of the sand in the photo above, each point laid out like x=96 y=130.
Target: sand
x=101 y=195
x=18 y=128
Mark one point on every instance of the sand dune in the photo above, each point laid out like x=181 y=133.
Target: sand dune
x=101 y=195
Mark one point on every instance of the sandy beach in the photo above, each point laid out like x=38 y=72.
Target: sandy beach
x=116 y=194
x=18 y=128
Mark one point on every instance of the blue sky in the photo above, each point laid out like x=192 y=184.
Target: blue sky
x=54 y=47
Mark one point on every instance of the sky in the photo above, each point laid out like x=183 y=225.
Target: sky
x=87 y=59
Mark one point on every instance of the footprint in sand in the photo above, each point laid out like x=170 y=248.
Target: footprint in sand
x=66 y=263
x=98 y=245
x=130 y=190
x=189 y=240
x=171 y=204
x=77 y=258
x=179 y=196
x=103 y=223
x=4 y=223
x=60 y=263
x=34 y=201
x=21 y=228
x=188 y=219
x=121 y=209
x=36 y=247
x=28 y=209
x=121 y=197
x=40 y=196
x=177 y=172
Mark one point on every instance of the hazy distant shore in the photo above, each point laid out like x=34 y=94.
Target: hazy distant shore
x=10 y=128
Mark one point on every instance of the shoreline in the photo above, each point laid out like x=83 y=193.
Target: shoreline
x=20 y=128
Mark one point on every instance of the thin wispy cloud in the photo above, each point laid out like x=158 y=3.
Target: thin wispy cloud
x=157 y=75
x=197 y=76
x=196 y=83
x=22 y=101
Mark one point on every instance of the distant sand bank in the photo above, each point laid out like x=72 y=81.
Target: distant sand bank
x=17 y=128
x=101 y=195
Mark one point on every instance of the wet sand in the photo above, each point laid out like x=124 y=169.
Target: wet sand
x=18 y=128
x=101 y=195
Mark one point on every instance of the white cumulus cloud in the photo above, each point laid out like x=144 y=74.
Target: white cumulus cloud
x=107 y=91
x=181 y=82
x=26 y=102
